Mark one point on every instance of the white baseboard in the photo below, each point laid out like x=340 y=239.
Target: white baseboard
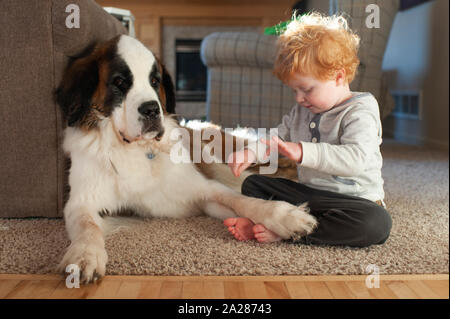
x=417 y=140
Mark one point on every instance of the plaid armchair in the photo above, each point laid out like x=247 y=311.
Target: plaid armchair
x=242 y=91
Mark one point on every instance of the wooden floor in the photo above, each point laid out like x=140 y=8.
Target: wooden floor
x=227 y=287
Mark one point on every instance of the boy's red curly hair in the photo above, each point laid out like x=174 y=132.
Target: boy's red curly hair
x=317 y=46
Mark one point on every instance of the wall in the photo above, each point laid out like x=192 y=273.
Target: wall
x=191 y=110
x=156 y=20
x=152 y=16
x=321 y=6
x=418 y=49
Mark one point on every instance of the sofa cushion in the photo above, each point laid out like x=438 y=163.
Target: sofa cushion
x=95 y=25
x=33 y=56
x=28 y=172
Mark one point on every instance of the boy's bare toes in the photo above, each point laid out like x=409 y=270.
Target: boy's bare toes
x=259 y=228
x=241 y=228
x=264 y=235
x=230 y=222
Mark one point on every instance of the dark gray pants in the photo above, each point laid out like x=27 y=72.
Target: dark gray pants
x=343 y=220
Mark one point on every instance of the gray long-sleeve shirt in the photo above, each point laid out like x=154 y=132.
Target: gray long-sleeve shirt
x=341 y=147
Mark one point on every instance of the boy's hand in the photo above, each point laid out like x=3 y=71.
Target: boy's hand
x=240 y=161
x=291 y=150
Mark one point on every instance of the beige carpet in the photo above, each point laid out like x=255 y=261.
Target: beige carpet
x=417 y=195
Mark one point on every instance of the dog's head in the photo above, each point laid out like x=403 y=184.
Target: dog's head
x=121 y=81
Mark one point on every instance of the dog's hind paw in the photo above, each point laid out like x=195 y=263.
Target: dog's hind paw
x=288 y=220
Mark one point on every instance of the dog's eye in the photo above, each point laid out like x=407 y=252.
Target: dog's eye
x=154 y=81
x=120 y=83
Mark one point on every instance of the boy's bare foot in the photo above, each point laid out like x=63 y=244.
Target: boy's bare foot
x=263 y=235
x=244 y=229
x=240 y=227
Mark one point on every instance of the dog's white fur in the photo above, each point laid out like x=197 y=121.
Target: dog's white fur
x=108 y=175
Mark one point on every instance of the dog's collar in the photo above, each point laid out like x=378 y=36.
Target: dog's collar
x=150 y=155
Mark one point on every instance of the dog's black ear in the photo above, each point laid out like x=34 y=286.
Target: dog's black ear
x=74 y=94
x=169 y=91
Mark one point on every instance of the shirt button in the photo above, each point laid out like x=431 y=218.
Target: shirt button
x=314 y=139
x=312 y=125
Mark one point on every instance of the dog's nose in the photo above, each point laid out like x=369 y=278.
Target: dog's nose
x=149 y=110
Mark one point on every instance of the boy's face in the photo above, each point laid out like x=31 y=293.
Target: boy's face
x=318 y=96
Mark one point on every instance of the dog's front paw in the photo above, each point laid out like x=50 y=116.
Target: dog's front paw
x=90 y=258
x=288 y=220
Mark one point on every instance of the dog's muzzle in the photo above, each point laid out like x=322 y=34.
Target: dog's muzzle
x=149 y=110
x=152 y=121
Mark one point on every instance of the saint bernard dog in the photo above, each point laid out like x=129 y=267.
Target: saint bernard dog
x=117 y=100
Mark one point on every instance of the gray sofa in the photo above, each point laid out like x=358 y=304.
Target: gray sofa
x=35 y=48
x=243 y=91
